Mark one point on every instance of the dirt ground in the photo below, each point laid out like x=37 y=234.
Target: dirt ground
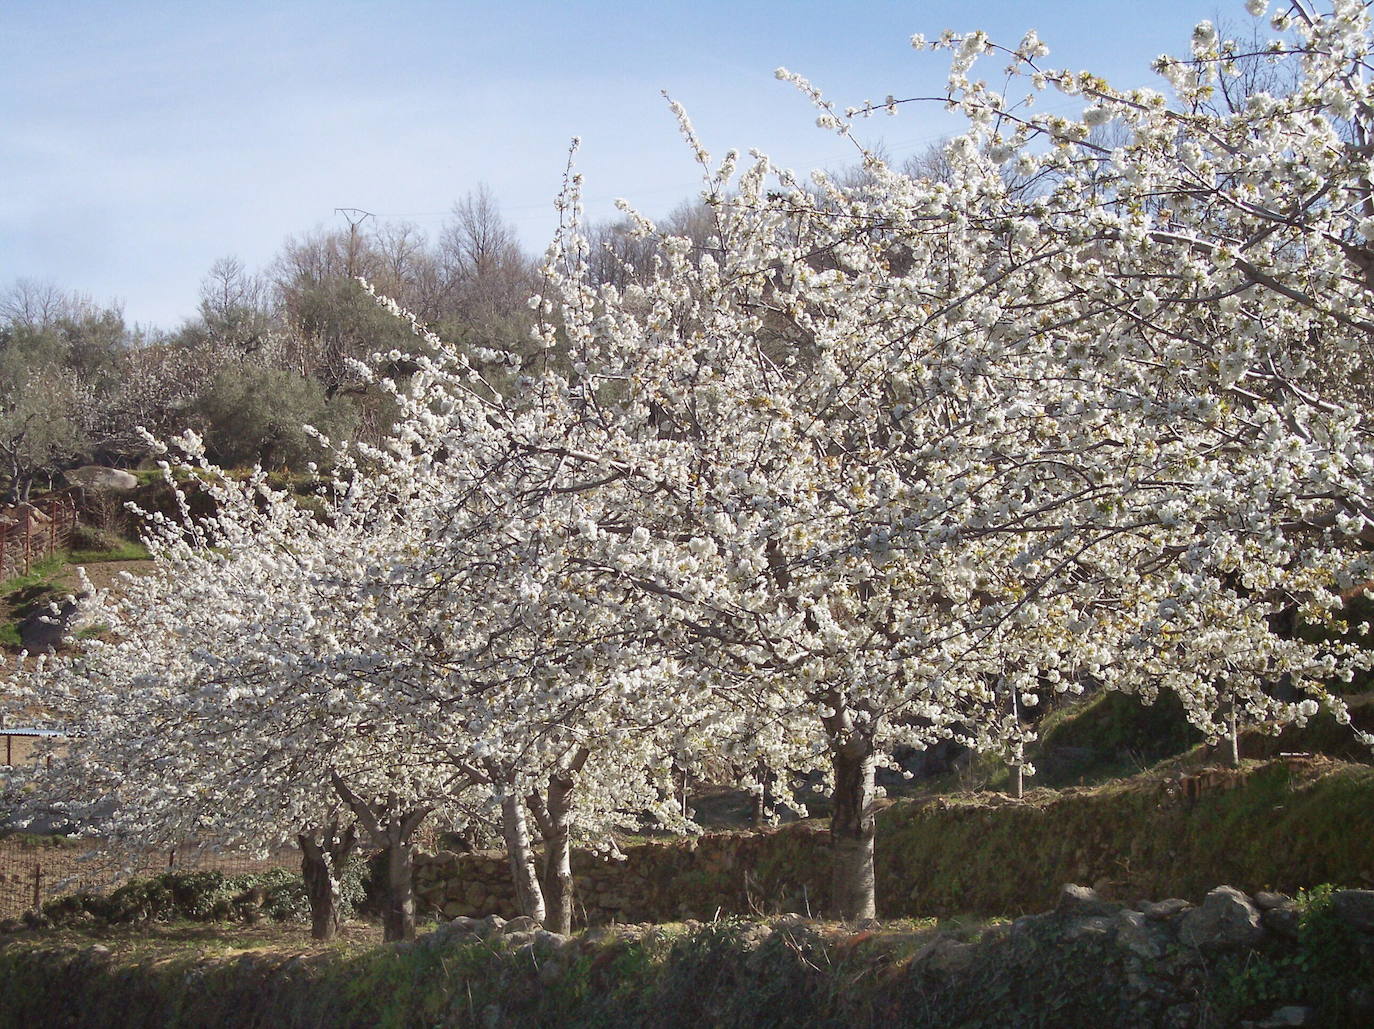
x=104 y=574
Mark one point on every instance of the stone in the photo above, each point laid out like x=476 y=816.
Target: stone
x=1082 y=901
x=1266 y=900
x=1225 y=921
x=1028 y=925
x=490 y=925
x=948 y=956
x=1292 y=1014
x=548 y=940
x=100 y=479
x=1355 y=908
x=44 y=630
x=1139 y=935
x=1285 y=922
x=1164 y=909
x=1181 y=1016
x=1089 y=927
x=520 y=924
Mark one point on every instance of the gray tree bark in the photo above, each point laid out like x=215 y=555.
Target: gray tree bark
x=852 y=758
x=390 y=827
x=554 y=818
x=323 y=862
x=529 y=898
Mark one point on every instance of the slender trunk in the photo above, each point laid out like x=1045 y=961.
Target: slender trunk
x=556 y=880
x=1234 y=737
x=851 y=828
x=1018 y=773
x=320 y=891
x=763 y=795
x=398 y=914
x=529 y=898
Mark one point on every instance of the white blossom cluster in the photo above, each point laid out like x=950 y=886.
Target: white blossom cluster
x=881 y=464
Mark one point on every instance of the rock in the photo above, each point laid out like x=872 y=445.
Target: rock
x=1267 y=901
x=44 y=630
x=1361 y=1001
x=1164 y=909
x=1355 y=908
x=100 y=479
x=520 y=924
x=1181 y=1016
x=549 y=942
x=1083 y=901
x=948 y=956
x=1090 y=927
x=490 y=926
x=1284 y=922
x=1139 y=936
x=1292 y=1014
x=1226 y=920
x=1027 y=925
x=550 y=972
x=752 y=937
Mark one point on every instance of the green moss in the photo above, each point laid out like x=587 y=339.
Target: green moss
x=1268 y=826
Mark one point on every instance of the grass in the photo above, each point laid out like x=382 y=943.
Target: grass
x=126 y=551
x=48 y=580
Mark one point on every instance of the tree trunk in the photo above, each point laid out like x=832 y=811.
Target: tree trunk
x=1234 y=737
x=398 y=913
x=390 y=827
x=529 y=898
x=556 y=880
x=851 y=827
x=322 y=866
x=763 y=796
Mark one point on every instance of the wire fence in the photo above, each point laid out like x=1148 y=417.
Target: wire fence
x=31 y=532
x=36 y=869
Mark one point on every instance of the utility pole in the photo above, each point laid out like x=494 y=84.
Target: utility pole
x=355 y=216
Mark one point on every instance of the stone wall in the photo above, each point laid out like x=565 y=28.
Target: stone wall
x=1281 y=826
x=719 y=873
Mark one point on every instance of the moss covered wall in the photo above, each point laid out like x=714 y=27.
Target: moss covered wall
x=1280 y=825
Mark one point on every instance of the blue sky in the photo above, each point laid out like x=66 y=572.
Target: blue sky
x=139 y=141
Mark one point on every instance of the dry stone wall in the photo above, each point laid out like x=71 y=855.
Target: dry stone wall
x=1275 y=826
x=719 y=873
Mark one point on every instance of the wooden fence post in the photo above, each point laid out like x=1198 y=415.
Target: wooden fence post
x=38 y=886
x=54 y=507
x=28 y=541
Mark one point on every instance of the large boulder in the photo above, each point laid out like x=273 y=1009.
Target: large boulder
x=1355 y=908
x=102 y=480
